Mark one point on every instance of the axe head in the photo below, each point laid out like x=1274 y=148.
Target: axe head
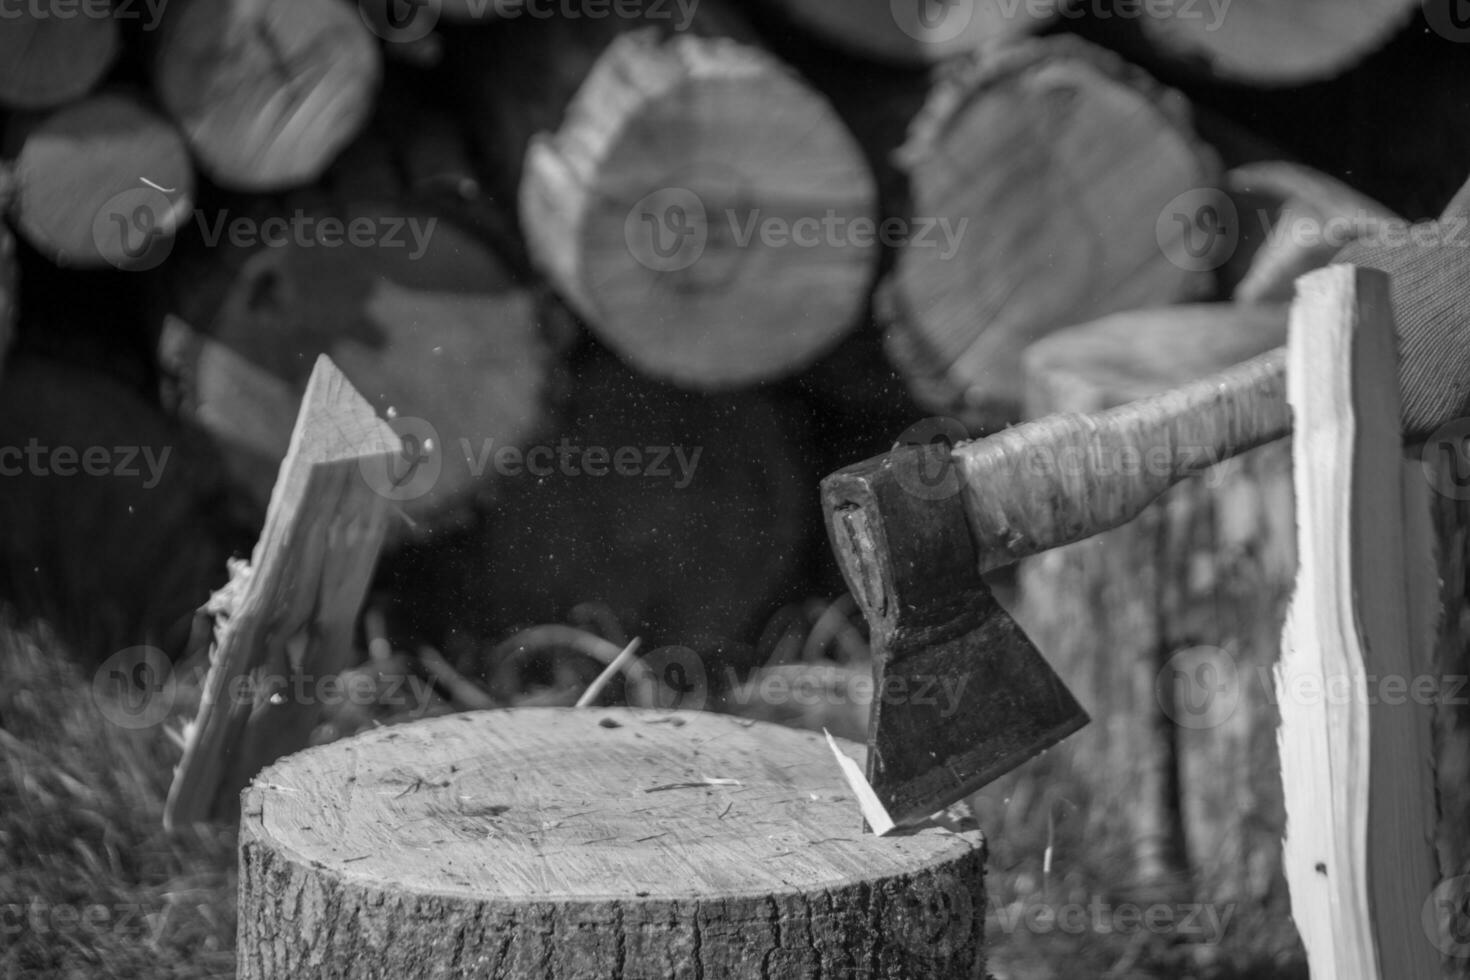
x=961 y=695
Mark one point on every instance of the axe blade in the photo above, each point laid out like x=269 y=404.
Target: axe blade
x=961 y=695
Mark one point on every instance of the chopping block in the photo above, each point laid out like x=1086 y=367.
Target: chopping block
x=564 y=843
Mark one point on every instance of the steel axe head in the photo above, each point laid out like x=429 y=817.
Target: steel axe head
x=961 y=695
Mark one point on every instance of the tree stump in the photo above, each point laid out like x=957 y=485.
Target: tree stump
x=1042 y=173
x=1166 y=628
x=565 y=843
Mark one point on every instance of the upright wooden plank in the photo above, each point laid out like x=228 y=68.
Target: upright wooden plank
x=1355 y=764
x=290 y=614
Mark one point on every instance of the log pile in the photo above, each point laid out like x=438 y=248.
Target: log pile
x=556 y=252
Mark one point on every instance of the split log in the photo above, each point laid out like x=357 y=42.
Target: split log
x=915 y=31
x=697 y=204
x=1041 y=176
x=1291 y=219
x=47 y=59
x=419 y=315
x=104 y=182
x=1274 y=42
x=1356 y=764
x=1166 y=628
x=289 y=619
x=267 y=91
x=592 y=842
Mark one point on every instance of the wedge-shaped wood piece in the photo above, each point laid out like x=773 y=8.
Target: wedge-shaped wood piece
x=289 y=621
x=1355 y=762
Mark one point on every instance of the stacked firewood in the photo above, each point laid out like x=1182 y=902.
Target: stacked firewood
x=780 y=232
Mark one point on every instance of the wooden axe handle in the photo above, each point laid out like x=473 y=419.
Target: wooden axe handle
x=1066 y=477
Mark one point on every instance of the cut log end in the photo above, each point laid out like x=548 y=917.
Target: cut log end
x=705 y=212
x=267 y=91
x=49 y=61
x=1276 y=42
x=1053 y=162
x=103 y=182
x=916 y=32
x=589 y=842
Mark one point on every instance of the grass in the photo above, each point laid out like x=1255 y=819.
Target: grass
x=92 y=886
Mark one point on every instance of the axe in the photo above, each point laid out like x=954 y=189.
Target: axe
x=914 y=530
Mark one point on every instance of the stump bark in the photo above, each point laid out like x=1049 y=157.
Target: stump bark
x=565 y=843
x=1166 y=628
x=1048 y=167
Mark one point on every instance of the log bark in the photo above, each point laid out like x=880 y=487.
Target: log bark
x=1052 y=163
x=267 y=91
x=690 y=197
x=592 y=842
x=1274 y=43
x=913 y=32
x=103 y=182
x=46 y=61
x=1142 y=620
